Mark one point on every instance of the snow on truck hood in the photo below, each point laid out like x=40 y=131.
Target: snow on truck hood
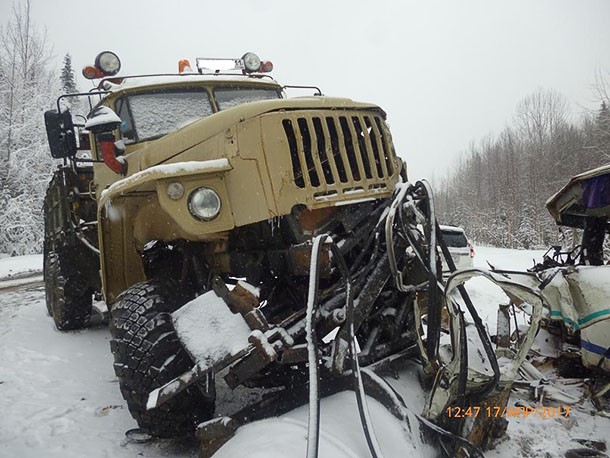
x=181 y=140
x=165 y=170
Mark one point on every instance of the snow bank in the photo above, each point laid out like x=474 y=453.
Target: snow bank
x=20 y=266
x=505 y=258
x=341 y=433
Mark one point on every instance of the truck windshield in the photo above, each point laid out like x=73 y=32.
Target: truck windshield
x=154 y=114
x=230 y=97
x=151 y=115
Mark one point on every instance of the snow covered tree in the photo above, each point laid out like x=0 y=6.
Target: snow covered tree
x=526 y=233
x=68 y=82
x=499 y=187
x=28 y=87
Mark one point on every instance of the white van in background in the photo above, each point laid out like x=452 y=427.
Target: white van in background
x=460 y=248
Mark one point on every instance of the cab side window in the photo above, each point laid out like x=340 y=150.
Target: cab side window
x=127 y=130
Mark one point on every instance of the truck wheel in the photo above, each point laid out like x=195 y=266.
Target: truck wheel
x=148 y=354
x=69 y=299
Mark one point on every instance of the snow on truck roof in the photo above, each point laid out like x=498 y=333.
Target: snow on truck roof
x=135 y=81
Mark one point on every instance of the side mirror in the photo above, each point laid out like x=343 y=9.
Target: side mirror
x=60 y=133
x=102 y=120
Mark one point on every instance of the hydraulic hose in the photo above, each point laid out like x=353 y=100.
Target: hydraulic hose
x=312 y=353
x=106 y=142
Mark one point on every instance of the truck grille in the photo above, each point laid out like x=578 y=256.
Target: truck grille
x=335 y=150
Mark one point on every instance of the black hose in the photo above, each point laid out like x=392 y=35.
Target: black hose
x=434 y=307
x=427 y=262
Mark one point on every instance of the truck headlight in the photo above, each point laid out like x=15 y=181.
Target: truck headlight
x=204 y=204
x=252 y=62
x=108 y=62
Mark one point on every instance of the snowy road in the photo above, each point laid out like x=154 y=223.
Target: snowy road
x=60 y=397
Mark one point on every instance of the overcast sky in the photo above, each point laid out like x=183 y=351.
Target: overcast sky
x=446 y=72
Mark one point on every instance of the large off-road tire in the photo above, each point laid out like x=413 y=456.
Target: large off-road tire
x=69 y=298
x=71 y=269
x=148 y=354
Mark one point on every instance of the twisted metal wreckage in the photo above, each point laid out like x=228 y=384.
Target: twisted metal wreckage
x=390 y=303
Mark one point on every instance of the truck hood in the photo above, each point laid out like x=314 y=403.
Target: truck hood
x=175 y=143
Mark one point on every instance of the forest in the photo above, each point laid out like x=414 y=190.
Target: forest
x=496 y=189
x=29 y=85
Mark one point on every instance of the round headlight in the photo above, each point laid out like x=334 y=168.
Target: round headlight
x=204 y=204
x=108 y=62
x=252 y=62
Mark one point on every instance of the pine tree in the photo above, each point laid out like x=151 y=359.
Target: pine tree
x=68 y=82
x=68 y=85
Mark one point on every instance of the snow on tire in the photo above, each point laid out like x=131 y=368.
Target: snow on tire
x=148 y=354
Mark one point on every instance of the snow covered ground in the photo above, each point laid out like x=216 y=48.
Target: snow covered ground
x=18 y=270
x=61 y=398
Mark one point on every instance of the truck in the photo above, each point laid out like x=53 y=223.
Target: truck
x=241 y=238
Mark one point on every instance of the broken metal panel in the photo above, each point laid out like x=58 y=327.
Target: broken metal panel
x=585 y=194
x=395 y=302
x=589 y=288
x=578 y=297
x=460 y=383
x=595 y=345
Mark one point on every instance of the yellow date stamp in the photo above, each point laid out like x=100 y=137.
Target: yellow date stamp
x=562 y=411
